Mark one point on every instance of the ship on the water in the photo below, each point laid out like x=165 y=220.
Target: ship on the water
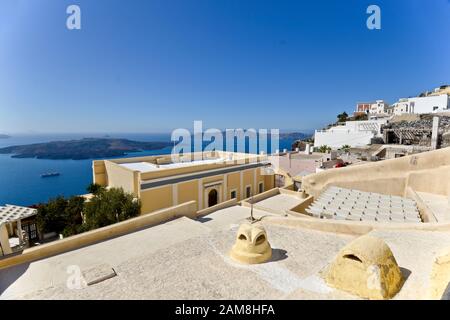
x=50 y=174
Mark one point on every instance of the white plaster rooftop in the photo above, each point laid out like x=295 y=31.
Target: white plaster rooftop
x=229 y=216
x=188 y=259
x=354 y=205
x=10 y=213
x=140 y=166
x=148 y=167
x=279 y=203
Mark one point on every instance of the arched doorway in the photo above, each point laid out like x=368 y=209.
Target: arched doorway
x=212 y=198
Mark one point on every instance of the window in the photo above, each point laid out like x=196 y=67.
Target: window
x=261 y=187
x=248 y=191
x=435 y=108
x=233 y=194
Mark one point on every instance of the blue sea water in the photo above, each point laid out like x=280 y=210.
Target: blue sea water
x=21 y=182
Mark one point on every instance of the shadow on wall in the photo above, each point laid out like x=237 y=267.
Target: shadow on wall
x=10 y=275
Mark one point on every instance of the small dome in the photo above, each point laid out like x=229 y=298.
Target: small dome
x=366 y=267
x=251 y=245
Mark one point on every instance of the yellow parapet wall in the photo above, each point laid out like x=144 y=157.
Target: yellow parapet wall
x=188 y=209
x=220 y=206
x=388 y=176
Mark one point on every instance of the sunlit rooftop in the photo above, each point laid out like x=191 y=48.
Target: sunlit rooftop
x=188 y=259
x=400 y=202
x=148 y=167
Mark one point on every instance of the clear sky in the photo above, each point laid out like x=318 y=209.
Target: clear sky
x=151 y=66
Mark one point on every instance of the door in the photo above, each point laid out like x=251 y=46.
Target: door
x=212 y=197
x=30 y=231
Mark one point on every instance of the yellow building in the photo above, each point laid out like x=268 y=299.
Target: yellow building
x=207 y=178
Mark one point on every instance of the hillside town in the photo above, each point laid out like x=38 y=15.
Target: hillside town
x=375 y=131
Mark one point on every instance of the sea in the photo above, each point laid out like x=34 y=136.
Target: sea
x=21 y=182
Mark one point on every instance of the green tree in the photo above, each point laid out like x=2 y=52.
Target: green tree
x=61 y=215
x=110 y=206
x=342 y=117
x=345 y=147
x=324 y=149
x=74 y=216
x=51 y=216
x=95 y=188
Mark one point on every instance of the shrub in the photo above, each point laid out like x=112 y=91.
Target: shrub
x=95 y=188
x=110 y=206
x=342 y=117
x=345 y=147
x=323 y=149
x=75 y=215
x=60 y=214
x=361 y=117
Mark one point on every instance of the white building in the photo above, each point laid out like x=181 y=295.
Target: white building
x=419 y=105
x=353 y=133
x=402 y=107
x=377 y=107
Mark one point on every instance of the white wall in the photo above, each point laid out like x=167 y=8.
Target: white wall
x=353 y=133
x=401 y=108
x=378 y=107
x=421 y=105
x=337 y=139
x=426 y=104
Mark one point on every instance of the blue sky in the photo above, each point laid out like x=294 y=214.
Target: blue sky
x=151 y=66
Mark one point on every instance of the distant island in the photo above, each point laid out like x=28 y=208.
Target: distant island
x=283 y=135
x=295 y=135
x=87 y=148
x=91 y=148
x=4 y=136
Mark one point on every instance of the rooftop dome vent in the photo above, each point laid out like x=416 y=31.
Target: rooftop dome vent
x=251 y=245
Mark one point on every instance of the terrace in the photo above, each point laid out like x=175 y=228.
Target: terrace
x=167 y=267
x=180 y=241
